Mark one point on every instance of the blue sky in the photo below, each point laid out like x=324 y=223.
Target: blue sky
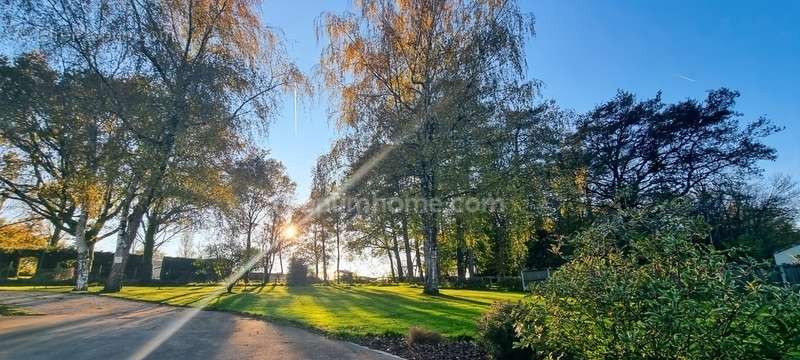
x=585 y=50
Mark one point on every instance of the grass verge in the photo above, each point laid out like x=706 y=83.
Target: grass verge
x=344 y=311
x=8 y=310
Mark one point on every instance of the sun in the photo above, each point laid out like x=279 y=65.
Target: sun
x=289 y=231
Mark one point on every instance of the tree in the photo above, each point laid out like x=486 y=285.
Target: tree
x=216 y=67
x=298 y=272
x=759 y=217
x=637 y=285
x=26 y=234
x=225 y=255
x=186 y=249
x=637 y=152
x=64 y=155
x=193 y=186
x=259 y=186
x=321 y=187
x=330 y=210
x=277 y=227
x=411 y=71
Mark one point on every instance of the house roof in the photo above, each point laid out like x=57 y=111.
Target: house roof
x=787 y=248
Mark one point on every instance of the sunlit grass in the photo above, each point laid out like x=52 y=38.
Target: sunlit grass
x=342 y=310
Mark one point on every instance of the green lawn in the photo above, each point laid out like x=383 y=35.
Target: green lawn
x=342 y=310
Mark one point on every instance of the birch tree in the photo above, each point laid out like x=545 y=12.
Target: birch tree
x=419 y=62
x=64 y=155
x=215 y=65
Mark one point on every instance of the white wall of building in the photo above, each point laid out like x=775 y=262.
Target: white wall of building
x=788 y=256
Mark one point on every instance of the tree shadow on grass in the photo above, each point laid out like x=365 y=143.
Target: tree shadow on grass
x=461 y=299
x=401 y=311
x=357 y=310
x=264 y=286
x=189 y=296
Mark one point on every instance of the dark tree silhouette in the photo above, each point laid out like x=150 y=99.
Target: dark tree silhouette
x=639 y=151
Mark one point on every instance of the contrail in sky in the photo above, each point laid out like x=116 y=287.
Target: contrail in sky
x=684 y=77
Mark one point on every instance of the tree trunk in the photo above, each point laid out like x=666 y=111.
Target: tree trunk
x=316 y=256
x=271 y=263
x=500 y=248
x=84 y=267
x=419 y=260
x=396 y=249
x=248 y=246
x=431 y=258
x=280 y=259
x=338 y=252
x=85 y=255
x=407 y=245
x=127 y=234
x=146 y=271
x=391 y=262
x=324 y=257
x=471 y=263
x=430 y=229
x=268 y=260
x=56 y=236
x=461 y=249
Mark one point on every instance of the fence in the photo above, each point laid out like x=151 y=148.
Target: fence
x=520 y=282
x=529 y=276
x=186 y=270
x=53 y=262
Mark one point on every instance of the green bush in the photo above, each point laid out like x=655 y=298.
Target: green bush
x=642 y=285
x=298 y=272
x=497 y=332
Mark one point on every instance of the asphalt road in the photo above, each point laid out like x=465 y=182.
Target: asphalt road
x=97 y=327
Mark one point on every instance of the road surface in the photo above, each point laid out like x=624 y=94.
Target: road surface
x=98 y=327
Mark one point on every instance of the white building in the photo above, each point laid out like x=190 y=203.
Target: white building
x=788 y=256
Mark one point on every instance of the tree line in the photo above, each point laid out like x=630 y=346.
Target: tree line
x=129 y=117
x=136 y=119
x=437 y=111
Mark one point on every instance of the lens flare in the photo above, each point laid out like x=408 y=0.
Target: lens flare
x=165 y=333
x=290 y=231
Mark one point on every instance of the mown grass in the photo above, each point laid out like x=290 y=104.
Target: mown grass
x=339 y=310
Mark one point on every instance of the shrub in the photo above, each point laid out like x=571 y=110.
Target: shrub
x=298 y=272
x=421 y=336
x=497 y=331
x=641 y=285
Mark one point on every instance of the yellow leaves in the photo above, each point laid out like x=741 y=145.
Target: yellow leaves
x=548 y=224
x=353 y=52
x=22 y=236
x=222 y=27
x=581 y=176
x=89 y=195
x=349 y=97
x=83 y=190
